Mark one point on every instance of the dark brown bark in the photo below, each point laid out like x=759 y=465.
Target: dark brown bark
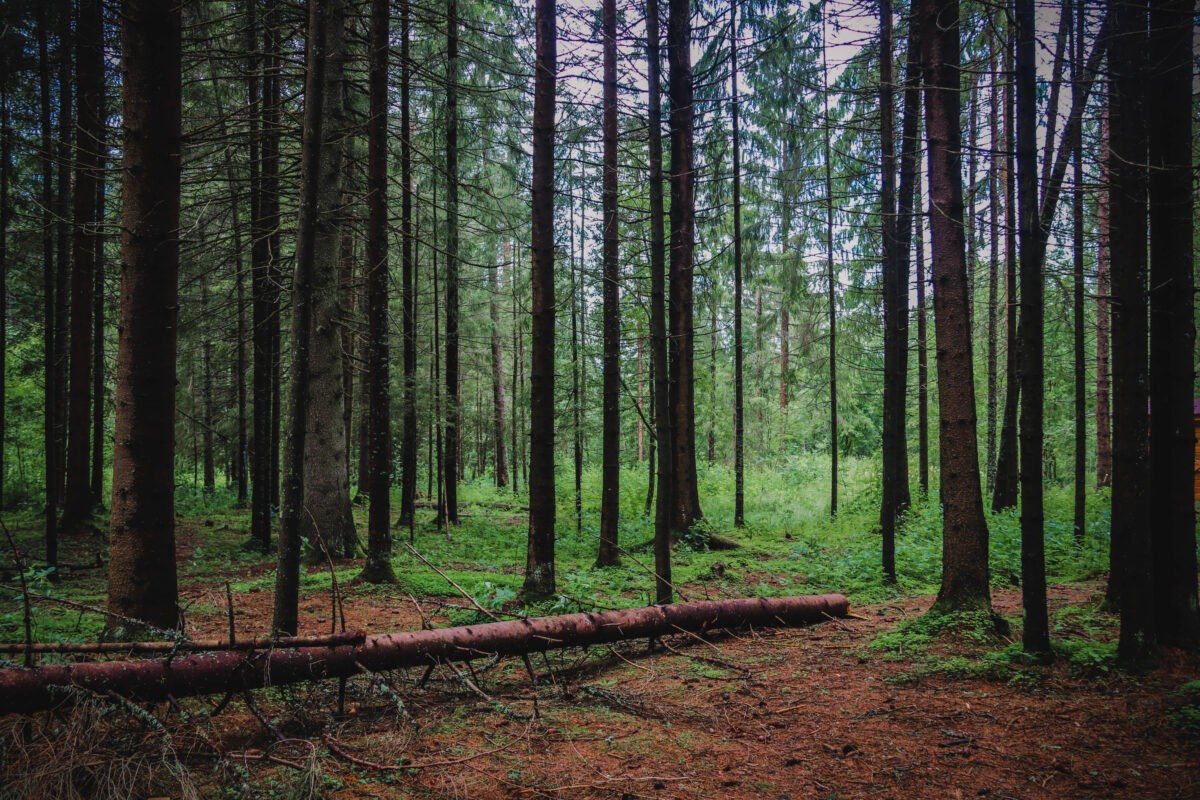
x=893 y=426
x=1036 y=631
x=313 y=150
x=62 y=215
x=1172 y=322
x=96 y=479
x=141 y=572
x=739 y=356
x=685 y=496
x=28 y=690
x=1103 y=291
x=89 y=83
x=208 y=402
x=1131 y=579
x=964 y=532
x=453 y=401
x=49 y=360
x=1078 y=331
x=378 y=568
x=995 y=168
x=664 y=430
x=922 y=342
x=610 y=489
x=327 y=513
x=408 y=433
x=5 y=169
x=539 y=565
x=576 y=366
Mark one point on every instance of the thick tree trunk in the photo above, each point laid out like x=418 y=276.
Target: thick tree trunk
x=965 y=533
x=378 y=568
x=539 y=565
x=327 y=508
x=408 y=434
x=1131 y=582
x=151 y=680
x=89 y=63
x=1036 y=631
x=321 y=18
x=664 y=430
x=610 y=490
x=141 y=572
x=685 y=496
x=1172 y=323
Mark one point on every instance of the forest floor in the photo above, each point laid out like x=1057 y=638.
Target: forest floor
x=878 y=705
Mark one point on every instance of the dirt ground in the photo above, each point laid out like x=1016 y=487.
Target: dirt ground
x=779 y=714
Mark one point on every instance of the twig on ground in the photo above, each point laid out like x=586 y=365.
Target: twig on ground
x=337 y=749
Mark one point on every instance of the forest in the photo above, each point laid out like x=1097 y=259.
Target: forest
x=565 y=399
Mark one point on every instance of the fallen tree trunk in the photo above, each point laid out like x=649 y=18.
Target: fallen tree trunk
x=39 y=688
x=187 y=645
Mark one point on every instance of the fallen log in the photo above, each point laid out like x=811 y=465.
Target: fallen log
x=40 y=688
x=185 y=645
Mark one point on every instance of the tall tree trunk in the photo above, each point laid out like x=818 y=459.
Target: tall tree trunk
x=739 y=406
x=208 y=401
x=89 y=61
x=894 y=348
x=1078 y=244
x=610 y=489
x=995 y=167
x=1036 y=630
x=576 y=363
x=453 y=401
x=831 y=282
x=260 y=291
x=539 y=564
x=322 y=18
x=272 y=117
x=62 y=266
x=685 y=496
x=327 y=507
x=408 y=434
x=141 y=573
x=96 y=480
x=1172 y=323
x=500 y=448
x=664 y=430
x=1007 y=479
x=922 y=342
x=785 y=350
x=1103 y=290
x=5 y=168
x=965 y=533
x=1131 y=578
x=49 y=360
x=378 y=568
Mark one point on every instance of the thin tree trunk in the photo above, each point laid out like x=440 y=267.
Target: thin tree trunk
x=1172 y=323
x=831 y=281
x=739 y=406
x=208 y=407
x=378 y=568
x=539 y=565
x=610 y=490
x=500 y=448
x=576 y=365
x=664 y=430
x=89 y=60
x=1006 y=479
x=894 y=348
x=5 y=168
x=1080 y=525
x=141 y=573
x=321 y=17
x=96 y=482
x=408 y=435
x=453 y=401
x=49 y=360
x=922 y=342
x=965 y=533
x=1036 y=630
x=260 y=292
x=1103 y=290
x=62 y=280
x=995 y=167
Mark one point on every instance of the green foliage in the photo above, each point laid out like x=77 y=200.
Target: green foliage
x=1186 y=718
